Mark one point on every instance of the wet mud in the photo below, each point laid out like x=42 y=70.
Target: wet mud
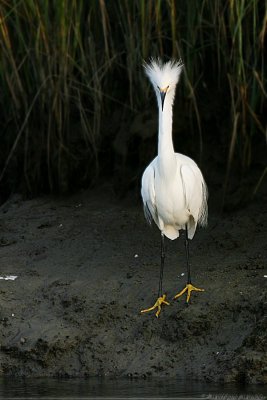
x=86 y=265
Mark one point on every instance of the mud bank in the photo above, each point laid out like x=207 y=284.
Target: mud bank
x=87 y=264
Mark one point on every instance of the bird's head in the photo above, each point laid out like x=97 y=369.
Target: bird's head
x=164 y=78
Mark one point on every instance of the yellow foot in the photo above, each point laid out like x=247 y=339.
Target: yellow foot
x=161 y=300
x=189 y=288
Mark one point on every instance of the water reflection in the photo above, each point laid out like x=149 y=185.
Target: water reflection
x=93 y=388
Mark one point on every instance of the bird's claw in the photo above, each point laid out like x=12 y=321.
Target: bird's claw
x=189 y=288
x=161 y=300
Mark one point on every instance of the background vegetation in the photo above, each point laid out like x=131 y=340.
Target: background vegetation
x=73 y=87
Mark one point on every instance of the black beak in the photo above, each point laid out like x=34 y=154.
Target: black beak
x=162 y=96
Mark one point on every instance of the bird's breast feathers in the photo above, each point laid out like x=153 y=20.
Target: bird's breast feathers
x=170 y=202
x=175 y=199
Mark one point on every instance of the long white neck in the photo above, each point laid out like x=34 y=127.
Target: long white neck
x=166 y=155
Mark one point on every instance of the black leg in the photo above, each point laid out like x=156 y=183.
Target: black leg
x=162 y=258
x=187 y=255
x=189 y=287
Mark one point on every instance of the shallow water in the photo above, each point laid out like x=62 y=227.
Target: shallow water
x=93 y=388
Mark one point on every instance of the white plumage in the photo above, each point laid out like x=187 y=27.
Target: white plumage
x=173 y=189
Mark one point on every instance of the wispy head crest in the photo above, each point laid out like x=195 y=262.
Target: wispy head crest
x=163 y=74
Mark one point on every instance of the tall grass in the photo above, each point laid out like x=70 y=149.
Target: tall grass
x=51 y=75
x=67 y=65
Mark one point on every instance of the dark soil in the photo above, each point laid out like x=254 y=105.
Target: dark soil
x=88 y=264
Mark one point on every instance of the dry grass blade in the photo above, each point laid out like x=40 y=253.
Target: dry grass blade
x=230 y=155
x=67 y=65
x=264 y=173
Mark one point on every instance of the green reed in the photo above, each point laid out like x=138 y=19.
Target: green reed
x=67 y=65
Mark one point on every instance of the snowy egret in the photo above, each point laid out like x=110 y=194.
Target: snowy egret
x=173 y=190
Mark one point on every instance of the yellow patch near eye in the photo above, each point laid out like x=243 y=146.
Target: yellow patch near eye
x=164 y=90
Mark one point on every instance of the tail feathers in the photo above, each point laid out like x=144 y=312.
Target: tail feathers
x=170 y=232
x=148 y=214
x=203 y=212
x=191 y=226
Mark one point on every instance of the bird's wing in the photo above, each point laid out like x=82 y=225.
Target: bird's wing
x=195 y=192
x=148 y=193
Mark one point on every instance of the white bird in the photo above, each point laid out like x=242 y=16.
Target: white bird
x=173 y=190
